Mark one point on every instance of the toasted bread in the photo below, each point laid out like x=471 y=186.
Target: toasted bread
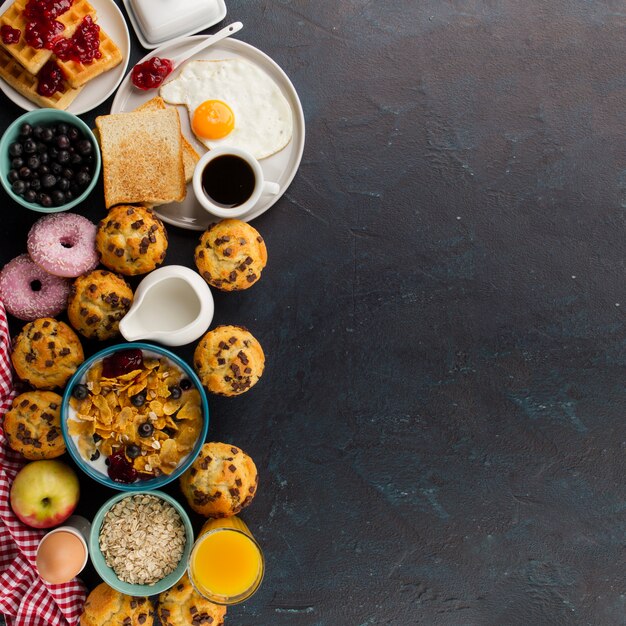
x=142 y=157
x=190 y=156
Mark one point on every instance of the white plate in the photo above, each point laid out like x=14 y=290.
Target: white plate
x=96 y=91
x=280 y=167
x=214 y=17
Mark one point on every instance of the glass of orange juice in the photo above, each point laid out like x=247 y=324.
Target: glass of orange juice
x=226 y=564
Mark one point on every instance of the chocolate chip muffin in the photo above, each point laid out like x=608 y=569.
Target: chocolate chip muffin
x=33 y=425
x=46 y=353
x=107 y=607
x=131 y=240
x=221 y=481
x=229 y=360
x=231 y=255
x=182 y=605
x=97 y=303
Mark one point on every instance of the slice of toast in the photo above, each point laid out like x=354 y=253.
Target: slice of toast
x=190 y=156
x=26 y=84
x=142 y=157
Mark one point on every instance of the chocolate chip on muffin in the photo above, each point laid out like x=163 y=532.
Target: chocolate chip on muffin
x=33 y=425
x=221 y=481
x=97 y=303
x=46 y=353
x=231 y=255
x=131 y=240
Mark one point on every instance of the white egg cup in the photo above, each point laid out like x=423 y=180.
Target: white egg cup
x=261 y=185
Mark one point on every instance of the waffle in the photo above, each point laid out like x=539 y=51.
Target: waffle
x=26 y=84
x=78 y=74
x=30 y=58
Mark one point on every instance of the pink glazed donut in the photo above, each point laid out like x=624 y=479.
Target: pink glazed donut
x=63 y=244
x=28 y=292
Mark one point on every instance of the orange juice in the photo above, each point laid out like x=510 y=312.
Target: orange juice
x=226 y=564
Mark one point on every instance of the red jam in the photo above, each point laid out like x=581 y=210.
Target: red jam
x=151 y=73
x=51 y=79
x=10 y=35
x=122 y=362
x=42 y=29
x=120 y=468
x=84 y=46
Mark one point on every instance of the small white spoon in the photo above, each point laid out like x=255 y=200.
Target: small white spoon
x=178 y=60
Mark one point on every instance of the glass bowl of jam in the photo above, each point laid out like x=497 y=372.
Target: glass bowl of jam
x=134 y=416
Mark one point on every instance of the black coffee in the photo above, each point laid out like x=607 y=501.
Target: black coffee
x=228 y=181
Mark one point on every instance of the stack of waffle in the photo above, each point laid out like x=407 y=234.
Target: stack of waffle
x=20 y=63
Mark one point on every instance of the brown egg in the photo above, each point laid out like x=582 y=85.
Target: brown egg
x=60 y=557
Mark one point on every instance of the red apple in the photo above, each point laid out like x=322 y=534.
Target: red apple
x=44 y=493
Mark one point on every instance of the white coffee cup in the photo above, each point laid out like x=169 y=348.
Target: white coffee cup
x=261 y=185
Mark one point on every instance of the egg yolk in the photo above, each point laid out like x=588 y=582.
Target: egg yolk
x=213 y=119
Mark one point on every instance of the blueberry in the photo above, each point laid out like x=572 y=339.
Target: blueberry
x=95 y=456
x=34 y=162
x=84 y=147
x=42 y=148
x=145 y=430
x=30 y=196
x=185 y=384
x=48 y=181
x=133 y=451
x=63 y=142
x=67 y=173
x=16 y=149
x=69 y=196
x=75 y=189
x=76 y=159
x=44 y=158
x=37 y=131
x=25 y=173
x=63 y=184
x=26 y=130
x=47 y=135
x=83 y=179
x=30 y=147
x=73 y=133
x=106 y=461
x=13 y=176
x=62 y=129
x=53 y=152
x=63 y=157
x=80 y=391
x=58 y=197
x=43 y=170
x=17 y=163
x=19 y=187
x=56 y=168
x=35 y=184
x=138 y=399
x=44 y=199
x=175 y=392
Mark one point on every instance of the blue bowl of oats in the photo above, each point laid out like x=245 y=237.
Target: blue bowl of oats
x=140 y=542
x=134 y=416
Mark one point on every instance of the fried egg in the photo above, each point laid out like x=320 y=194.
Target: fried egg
x=234 y=103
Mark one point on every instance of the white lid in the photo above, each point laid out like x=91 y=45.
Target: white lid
x=161 y=20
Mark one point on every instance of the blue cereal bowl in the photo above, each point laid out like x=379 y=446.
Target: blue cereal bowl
x=46 y=117
x=97 y=469
x=109 y=576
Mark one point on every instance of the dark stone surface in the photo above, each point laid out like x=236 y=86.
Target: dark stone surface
x=439 y=431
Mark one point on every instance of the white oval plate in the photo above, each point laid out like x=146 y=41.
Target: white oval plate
x=96 y=91
x=280 y=167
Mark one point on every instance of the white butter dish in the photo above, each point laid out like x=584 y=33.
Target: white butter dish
x=158 y=21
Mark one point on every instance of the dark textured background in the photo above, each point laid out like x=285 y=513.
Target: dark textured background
x=439 y=431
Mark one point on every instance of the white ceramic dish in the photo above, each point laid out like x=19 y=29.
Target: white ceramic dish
x=112 y=21
x=215 y=14
x=280 y=167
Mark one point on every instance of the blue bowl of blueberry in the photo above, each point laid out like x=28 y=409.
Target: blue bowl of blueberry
x=49 y=160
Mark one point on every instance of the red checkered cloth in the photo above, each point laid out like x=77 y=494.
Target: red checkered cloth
x=25 y=599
